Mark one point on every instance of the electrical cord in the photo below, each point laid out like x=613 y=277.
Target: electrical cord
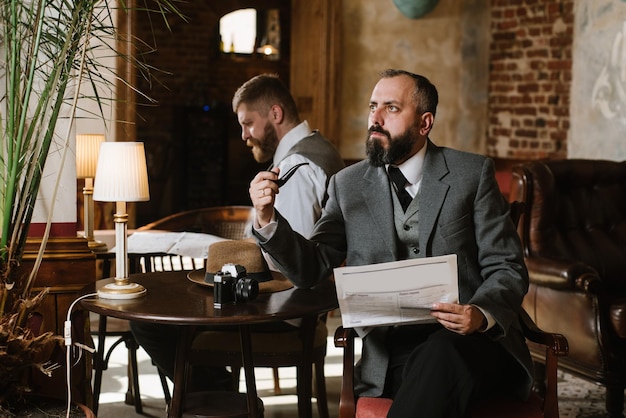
x=67 y=334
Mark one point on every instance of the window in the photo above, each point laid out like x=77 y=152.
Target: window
x=238 y=31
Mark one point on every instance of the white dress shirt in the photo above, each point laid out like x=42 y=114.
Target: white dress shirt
x=300 y=199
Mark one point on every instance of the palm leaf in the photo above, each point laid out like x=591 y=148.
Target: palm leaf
x=50 y=49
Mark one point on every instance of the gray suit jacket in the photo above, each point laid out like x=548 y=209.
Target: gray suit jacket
x=461 y=212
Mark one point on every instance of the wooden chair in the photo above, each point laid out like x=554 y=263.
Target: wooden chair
x=224 y=221
x=542 y=403
x=274 y=349
x=280 y=349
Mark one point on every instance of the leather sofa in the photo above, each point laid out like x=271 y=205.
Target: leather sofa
x=574 y=238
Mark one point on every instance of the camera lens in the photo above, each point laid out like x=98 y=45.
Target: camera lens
x=247 y=289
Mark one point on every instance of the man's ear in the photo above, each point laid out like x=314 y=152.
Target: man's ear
x=276 y=114
x=428 y=119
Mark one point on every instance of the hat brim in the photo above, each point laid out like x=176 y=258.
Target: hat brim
x=277 y=284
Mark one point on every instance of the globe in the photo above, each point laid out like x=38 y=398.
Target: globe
x=414 y=9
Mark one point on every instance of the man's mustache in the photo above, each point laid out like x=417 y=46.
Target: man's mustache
x=379 y=129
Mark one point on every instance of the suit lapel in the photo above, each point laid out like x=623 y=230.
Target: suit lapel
x=380 y=205
x=432 y=194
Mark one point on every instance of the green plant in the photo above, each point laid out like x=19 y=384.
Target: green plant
x=50 y=50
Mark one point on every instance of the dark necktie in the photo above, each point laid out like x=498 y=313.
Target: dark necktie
x=400 y=181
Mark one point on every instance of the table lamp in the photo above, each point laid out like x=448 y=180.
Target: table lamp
x=121 y=177
x=87 y=148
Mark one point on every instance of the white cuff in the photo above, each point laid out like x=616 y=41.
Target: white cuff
x=490 y=321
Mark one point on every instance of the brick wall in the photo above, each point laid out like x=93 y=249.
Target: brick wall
x=192 y=72
x=530 y=78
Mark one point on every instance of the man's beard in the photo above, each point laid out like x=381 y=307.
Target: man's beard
x=264 y=149
x=399 y=147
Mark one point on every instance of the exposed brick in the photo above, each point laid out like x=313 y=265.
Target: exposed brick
x=538 y=53
x=502 y=131
x=526 y=133
x=560 y=111
x=542 y=92
x=528 y=88
x=527 y=110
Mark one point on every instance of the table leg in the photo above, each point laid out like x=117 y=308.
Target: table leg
x=248 y=367
x=305 y=373
x=181 y=371
x=99 y=362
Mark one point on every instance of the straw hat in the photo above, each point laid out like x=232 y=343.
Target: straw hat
x=246 y=253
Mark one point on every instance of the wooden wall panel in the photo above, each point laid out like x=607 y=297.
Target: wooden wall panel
x=315 y=69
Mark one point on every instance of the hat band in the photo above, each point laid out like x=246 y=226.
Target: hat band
x=262 y=276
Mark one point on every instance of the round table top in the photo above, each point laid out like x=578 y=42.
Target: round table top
x=172 y=298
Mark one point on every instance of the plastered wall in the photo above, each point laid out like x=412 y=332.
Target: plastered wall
x=449 y=46
x=598 y=108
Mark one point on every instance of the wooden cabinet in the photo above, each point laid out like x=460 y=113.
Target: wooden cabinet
x=68 y=265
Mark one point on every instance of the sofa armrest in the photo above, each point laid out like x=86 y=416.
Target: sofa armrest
x=561 y=274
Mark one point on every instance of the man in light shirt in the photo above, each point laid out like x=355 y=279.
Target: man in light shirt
x=271 y=126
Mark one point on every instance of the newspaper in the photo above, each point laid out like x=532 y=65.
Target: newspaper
x=399 y=292
x=188 y=244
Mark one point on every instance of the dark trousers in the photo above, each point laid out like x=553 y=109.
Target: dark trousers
x=160 y=341
x=435 y=373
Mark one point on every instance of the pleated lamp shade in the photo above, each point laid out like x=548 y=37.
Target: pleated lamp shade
x=122 y=174
x=87 y=149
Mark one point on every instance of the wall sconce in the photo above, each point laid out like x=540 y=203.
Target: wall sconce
x=122 y=176
x=87 y=148
x=270 y=44
x=267 y=50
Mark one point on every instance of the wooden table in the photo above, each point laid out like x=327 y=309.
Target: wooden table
x=173 y=299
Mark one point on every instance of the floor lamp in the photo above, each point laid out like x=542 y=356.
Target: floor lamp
x=87 y=148
x=121 y=177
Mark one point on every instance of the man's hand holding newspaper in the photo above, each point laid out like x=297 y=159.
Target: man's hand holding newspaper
x=398 y=292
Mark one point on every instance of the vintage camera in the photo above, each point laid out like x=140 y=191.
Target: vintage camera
x=230 y=285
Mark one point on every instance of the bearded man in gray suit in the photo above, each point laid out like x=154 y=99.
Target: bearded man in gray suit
x=476 y=347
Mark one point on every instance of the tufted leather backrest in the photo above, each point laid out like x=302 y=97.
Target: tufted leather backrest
x=576 y=211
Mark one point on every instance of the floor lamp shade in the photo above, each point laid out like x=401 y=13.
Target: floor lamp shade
x=121 y=177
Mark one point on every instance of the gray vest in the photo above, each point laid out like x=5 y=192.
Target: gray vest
x=319 y=150
x=406 y=227
x=322 y=152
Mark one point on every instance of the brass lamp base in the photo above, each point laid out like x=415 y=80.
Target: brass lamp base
x=122 y=290
x=97 y=246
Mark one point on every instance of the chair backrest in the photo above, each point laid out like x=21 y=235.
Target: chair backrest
x=224 y=221
x=576 y=211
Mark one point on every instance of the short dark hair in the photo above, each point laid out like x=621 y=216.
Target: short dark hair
x=264 y=91
x=425 y=94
